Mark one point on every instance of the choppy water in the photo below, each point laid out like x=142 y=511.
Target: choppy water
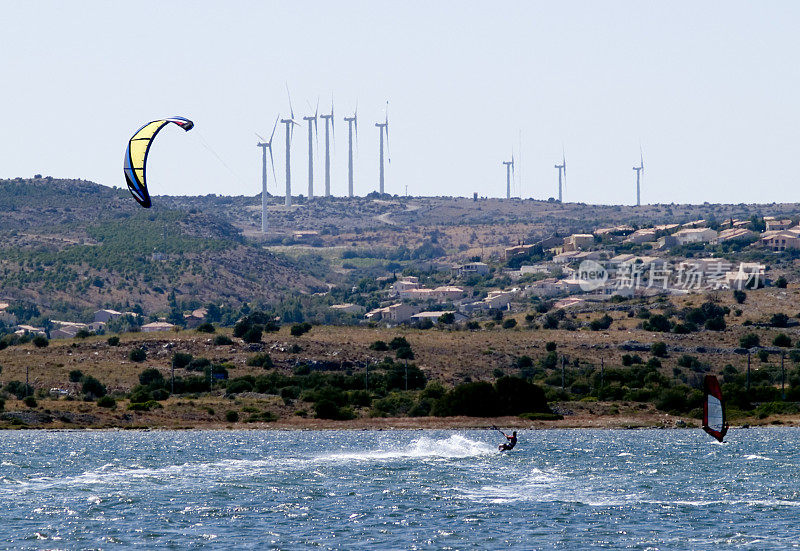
x=559 y=489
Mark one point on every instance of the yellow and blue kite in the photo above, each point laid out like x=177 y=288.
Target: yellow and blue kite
x=136 y=156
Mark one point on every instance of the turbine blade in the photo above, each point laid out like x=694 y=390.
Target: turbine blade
x=259 y=137
x=291 y=109
x=274 y=126
x=272 y=164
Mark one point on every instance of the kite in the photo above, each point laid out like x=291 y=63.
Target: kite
x=136 y=156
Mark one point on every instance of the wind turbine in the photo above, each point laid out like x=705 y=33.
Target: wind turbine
x=562 y=166
x=264 y=145
x=381 y=127
x=290 y=124
x=311 y=149
x=351 y=121
x=509 y=171
x=328 y=119
x=639 y=169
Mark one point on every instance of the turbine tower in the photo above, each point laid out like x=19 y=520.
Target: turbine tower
x=351 y=122
x=639 y=169
x=328 y=119
x=290 y=124
x=381 y=127
x=509 y=171
x=561 y=167
x=311 y=130
x=264 y=145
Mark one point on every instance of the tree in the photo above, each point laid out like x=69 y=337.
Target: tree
x=447 y=318
x=509 y=323
x=181 y=360
x=782 y=340
x=252 y=335
x=152 y=377
x=137 y=355
x=40 y=341
x=92 y=387
x=405 y=353
x=779 y=320
x=781 y=283
x=659 y=349
x=750 y=340
x=739 y=295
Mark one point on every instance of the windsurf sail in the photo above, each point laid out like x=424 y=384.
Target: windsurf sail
x=714 y=421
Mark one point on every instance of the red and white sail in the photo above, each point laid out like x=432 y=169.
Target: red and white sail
x=714 y=421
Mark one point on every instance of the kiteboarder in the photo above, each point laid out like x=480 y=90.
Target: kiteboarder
x=512 y=441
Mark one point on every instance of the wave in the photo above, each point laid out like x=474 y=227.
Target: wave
x=454 y=447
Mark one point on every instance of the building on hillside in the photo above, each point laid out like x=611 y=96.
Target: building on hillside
x=543 y=288
x=534 y=269
x=645 y=235
x=732 y=234
x=448 y=292
x=106 y=315
x=417 y=294
x=23 y=329
x=404 y=284
x=695 y=224
x=348 y=308
x=778 y=241
x=195 y=318
x=567 y=302
x=578 y=242
x=435 y=316
x=616 y=230
x=775 y=224
x=471 y=269
x=157 y=326
x=396 y=313
x=687 y=236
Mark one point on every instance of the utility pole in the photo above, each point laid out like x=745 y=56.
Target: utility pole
x=173 y=378
x=783 y=377
x=602 y=372
x=366 y=376
x=563 y=361
x=406 y=373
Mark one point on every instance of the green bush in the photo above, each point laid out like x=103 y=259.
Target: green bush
x=779 y=320
x=260 y=360
x=236 y=386
x=509 y=323
x=380 y=346
x=782 y=340
x=399 y=342
x=206 y=328
x=137 y=355
x=222 y=340
x=2 y=404
x=232 y=416
x=659 y=349
x=151 y=377
x=550 y=346
x=18 y=389
x=477 y=399
x=300 y=329
x=92 y=387
x=29 y=401
x=75 y=375
x=781 y=283
x=252 y=335
x=181 y=360
x=40 y=341
x=393 y=405
x=739 y=296
x=144 y=406
x=657 y=323
x=516 y=395
x=327 y=409
x=601 y=324
x=113 y=341
x=749 y=340
x=404 y=353
x=107 y=402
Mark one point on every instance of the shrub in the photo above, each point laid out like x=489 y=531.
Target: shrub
x=405 y=353
x=241 y=327
x=222 y=340
x=107 y=402
x=206 y=328
x=779 y=320
x=235 y=386
x=687 y=360
x=380 y=346
x=782 y=340
x=659 y=349
x=260 y=360
x=180 y=360
x=550 y=346
x=541 y=416
x=2 y=404
x=516 y=395
x=630 y=359
x=781 y=282
x=113 y=341
x=30 y=401
x=252 y=335
x=715 y=324
x=449 y=318
x=144 y=406
x=601 y=324
x=232 y=416
x=75 y=375
x=18 y=389
x=137 y=355
x=473 y=325
x=763 y=355
x=151 y=377
x=524 y=361
x=327 y=409
x=198 y=364
x=509 y=323
x=749 y=340
x=657 y=323
x=395 y=404
x=399 y=342
x=92 y=387
x=40 y=341
x=300 y=328
x=478 y=399
x=83 y=334
x=740 y=296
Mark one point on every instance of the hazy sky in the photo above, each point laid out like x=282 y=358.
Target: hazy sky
x=709 y=89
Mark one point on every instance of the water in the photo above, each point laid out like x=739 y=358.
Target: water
x=559 y=489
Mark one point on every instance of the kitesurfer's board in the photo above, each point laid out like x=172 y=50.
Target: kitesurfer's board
x=714 y=422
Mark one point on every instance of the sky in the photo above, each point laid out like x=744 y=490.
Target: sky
x=708 y=90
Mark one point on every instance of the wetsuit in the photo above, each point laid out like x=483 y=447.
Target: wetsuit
x=512 y=441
